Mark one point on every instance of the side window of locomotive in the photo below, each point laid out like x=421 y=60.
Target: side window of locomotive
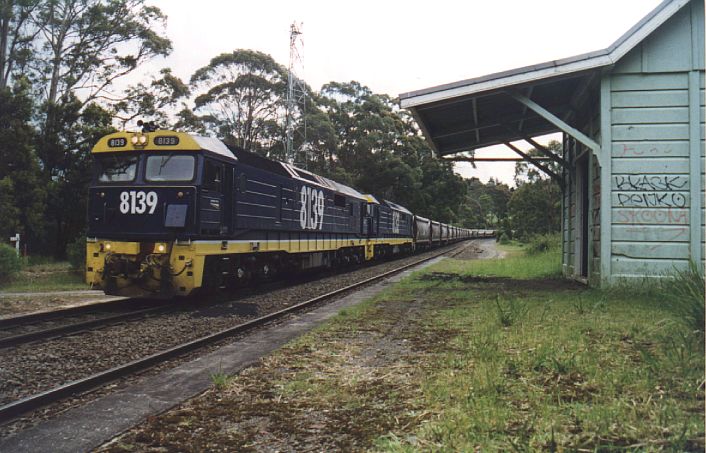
x=212 y=176
x=120 y=168
x=170 y=167
x=242 y=183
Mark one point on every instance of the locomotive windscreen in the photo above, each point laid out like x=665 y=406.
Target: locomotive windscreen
x=117 y=168
x=170 y=167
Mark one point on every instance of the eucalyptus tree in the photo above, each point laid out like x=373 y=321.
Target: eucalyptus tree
x=241 y=98
x=17 y=35
x=152 y=101
x=22 y=193
x=82 y=48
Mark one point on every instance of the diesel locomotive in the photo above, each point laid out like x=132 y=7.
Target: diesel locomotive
x=171 y=213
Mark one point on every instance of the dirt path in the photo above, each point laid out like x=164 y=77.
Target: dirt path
x=480 y=249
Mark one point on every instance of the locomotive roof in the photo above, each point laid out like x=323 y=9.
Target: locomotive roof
x=161 y=141
x=290 y=171
x=398 y=207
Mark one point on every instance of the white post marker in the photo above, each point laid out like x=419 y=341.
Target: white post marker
x=16 y=240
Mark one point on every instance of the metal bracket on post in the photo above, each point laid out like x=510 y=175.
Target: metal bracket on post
x=536 y=163
x=556 y=121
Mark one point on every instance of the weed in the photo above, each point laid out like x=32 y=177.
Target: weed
x=220 y=379
x=579 y=305
x=684 y=295
x=511 y=312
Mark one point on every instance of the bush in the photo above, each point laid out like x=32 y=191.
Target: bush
x=10 y=263
x=543 y=243
x=76 y=253
x=503 y=239
x=684 y=294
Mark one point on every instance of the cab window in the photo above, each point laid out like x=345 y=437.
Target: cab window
x=120 y=168
x=170 y=167
x=212 y=175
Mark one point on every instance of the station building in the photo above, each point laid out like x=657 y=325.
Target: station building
x=632 y=121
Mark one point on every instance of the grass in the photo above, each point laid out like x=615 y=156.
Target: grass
x=494 y=355
x=44 y=276
x=220 y=379
x=516 y=264
x=529 y=363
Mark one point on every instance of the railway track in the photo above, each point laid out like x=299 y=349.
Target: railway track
x=17 y=330
x=72 y=328
x=22 y=406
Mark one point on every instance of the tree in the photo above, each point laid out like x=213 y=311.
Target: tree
x=85 y=46
x=82 y=126
x=534 y=208
x=242 y=95
x=17 y=33
x=19 y=168
x=151 y=101
x=525 y=171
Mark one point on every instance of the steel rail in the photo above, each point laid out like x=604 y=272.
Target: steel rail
x=19 y=320
x=24 y=405
x=45 y=334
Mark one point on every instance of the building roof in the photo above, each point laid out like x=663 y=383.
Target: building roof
x=478 y=112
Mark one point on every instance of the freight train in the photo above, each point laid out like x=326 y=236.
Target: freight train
x=171 y=213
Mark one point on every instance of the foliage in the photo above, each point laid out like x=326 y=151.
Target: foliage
x=59 y=62
x=76 y=253
x=151 y=101
x=23 y=194
x=534 y=208
x=544 y=243
x=241 y=94
x=10 y=263
x=525 y=171
x=220 y=379
x=684 y=294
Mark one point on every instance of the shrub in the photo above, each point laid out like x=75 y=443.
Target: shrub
x=76 y=253
x=10 y=263
x=684 y=294
x=543 y=243
x=503 y=239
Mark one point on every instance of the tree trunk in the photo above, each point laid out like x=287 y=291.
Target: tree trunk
x=5 y=16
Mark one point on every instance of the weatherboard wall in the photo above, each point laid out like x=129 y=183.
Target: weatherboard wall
x=657 y=150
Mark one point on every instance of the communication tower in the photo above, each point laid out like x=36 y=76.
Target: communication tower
x=296 y=146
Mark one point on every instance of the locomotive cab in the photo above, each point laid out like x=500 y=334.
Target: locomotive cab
x=150 y=192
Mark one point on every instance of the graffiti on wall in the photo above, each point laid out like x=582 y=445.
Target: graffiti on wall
x=651 y=191
x=651 y=182
x=652 y=200
x=652 y=216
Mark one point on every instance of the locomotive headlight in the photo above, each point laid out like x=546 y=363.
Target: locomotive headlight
x=180 y=194
x=106 y=246
x=143 y=139
x=160 y=248
x=133 y=140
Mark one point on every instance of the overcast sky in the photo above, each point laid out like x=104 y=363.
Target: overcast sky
x=398 y=46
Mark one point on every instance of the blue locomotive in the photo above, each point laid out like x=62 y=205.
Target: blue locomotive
x=170 y=213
